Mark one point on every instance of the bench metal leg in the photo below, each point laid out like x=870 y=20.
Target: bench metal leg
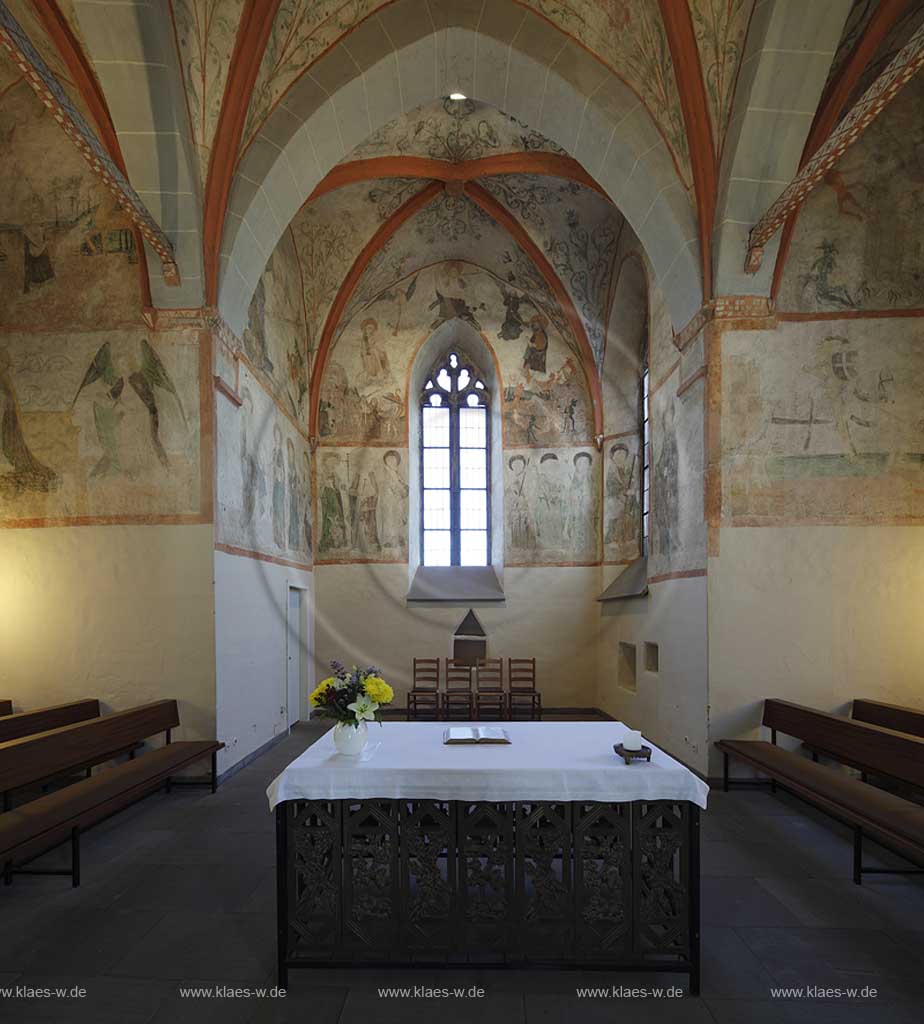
x=75 y=857
x=214 y=771
x=858 y=856
x=8 y=873
x=725 y=771
x=167 y=784
x=815 y=756
x=6 y=801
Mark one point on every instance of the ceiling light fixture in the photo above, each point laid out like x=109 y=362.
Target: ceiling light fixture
x=458 y=96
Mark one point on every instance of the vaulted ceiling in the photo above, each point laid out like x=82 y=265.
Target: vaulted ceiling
x=678 y=120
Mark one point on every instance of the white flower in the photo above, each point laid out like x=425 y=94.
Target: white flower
x=364 y=709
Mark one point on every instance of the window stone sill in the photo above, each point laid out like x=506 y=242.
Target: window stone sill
x=631 y=582
x=455 y=583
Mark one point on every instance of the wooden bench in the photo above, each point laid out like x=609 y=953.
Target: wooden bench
x=27 y=723
x=23 y=723
x=874 y=712
x=40 y=825
x=889 y=716
x=6 y=707
x=888 y=819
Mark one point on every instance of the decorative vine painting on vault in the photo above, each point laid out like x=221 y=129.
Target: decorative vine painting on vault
x=362 y=504
x=831 y=426
x=454 y=131
x=551 y=505
x=859 y=238
x=99 y=425
x=264 y=477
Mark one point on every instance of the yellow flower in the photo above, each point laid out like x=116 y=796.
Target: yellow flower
x=379 y=690
x=317 y=695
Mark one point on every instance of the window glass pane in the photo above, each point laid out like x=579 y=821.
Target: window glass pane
x=436 y=399
x=474 y=547
x=473 y=467
x=443 y=379
x=464 y=378
x=435 y=427
x=473 y=427
x=474 y=509
x=645 y=506
x=436 y=510
x=436 y=467
x=437 y=547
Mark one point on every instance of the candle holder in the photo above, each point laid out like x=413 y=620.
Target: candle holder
x=642 y=754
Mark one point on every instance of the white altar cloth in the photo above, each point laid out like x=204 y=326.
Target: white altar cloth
x=544 y=761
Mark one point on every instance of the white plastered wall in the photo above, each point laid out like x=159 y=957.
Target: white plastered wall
x=122 y=613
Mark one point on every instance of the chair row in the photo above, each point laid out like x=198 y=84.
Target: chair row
x=474 y=691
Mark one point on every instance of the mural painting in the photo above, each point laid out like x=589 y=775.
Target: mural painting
x=677 y=529
x=551 y=506
x=67 y=252
x=622 y=490
x=829 y=425
x=363 y=394
x=99 y=425
x=275 y=338
x=579 y=230
x=453 y=130
x=859 y=238
x=362 y=496
x=264 y=478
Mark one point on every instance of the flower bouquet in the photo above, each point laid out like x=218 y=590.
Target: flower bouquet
x=352 y=697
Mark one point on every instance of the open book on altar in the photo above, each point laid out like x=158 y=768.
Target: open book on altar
x=475 y=734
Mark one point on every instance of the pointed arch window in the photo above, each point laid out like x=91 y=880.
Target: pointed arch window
x=455 y=465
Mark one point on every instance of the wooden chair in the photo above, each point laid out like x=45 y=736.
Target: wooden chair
x=524 y=700
x=490 y=699
x=423 y=699
x=458 y=701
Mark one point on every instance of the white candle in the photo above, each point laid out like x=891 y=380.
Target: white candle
x=632 y=740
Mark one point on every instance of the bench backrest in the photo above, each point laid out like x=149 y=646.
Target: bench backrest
x=870 y=746
x=6 y=707
x=35 y=757
x=25 y=723
x=889 y=716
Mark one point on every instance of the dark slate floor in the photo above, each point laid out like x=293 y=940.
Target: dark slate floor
x=180 y=890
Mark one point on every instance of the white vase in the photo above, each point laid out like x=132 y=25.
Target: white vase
x=350 y=740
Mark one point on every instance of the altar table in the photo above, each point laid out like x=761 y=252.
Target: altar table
x=547 y=851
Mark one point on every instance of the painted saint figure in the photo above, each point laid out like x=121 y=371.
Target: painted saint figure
x=279 y=491
x=333 y=520
x=522 y=530
x=582 y=518
x=295 y=495
x=373 y=356
x=393 y=506
x=367 y=526
x=28 y=474
x=622 y=497
x=537 y=347
x=549 y=506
